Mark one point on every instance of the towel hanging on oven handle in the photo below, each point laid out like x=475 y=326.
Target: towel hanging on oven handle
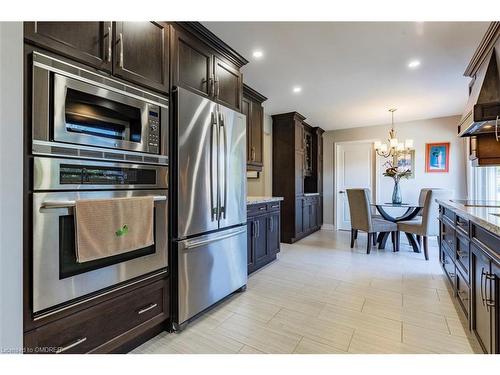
x=69 y=204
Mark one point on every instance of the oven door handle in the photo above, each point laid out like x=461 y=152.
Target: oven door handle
x=69 y=204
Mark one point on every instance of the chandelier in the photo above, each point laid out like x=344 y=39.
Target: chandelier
x=394 y=148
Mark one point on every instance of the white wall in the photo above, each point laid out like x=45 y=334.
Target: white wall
x=423 y=131
x=263 y=186
x=11 y=180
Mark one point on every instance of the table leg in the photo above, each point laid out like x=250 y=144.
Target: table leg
x=383 y=241
x=413 y=242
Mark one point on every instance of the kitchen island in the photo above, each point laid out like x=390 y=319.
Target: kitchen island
x=263 y=230
x=469 y=252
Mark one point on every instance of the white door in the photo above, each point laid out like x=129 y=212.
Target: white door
x=354 y=166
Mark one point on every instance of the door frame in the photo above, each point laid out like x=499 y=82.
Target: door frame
x=375 y=180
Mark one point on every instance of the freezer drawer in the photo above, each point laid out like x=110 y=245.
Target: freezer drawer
x=210 y=268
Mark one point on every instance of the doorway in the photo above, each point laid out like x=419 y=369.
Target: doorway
x=354 y=168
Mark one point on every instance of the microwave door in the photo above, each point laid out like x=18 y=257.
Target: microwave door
x=89 y=115
x=197 y=158
x=232 y=167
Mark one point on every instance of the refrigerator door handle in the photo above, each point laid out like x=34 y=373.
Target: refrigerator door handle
x=192 y=244
x=214 y=193
x=225 y=166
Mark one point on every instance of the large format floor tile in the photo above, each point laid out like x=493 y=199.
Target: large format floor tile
x=322 y=297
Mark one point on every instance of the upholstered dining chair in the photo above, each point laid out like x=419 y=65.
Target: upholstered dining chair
x=426 y=223
x=361 y=219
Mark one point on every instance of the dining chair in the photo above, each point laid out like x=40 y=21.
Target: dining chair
x=426 y=223
x=362 y=219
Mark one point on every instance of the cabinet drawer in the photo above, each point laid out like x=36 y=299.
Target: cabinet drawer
x=462 y=224
x=274 y=206
x=447 y=235
x=449 y=268
x=255 y=209
x=463 y=254
x=463 y=293
x=86 y=330
x=488 y=241
x=449 y=214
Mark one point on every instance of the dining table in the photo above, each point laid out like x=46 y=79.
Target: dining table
x=411 y=211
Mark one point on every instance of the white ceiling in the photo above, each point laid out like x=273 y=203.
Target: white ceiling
x=351 y=73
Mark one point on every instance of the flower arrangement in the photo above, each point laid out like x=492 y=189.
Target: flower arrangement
x=396 y=172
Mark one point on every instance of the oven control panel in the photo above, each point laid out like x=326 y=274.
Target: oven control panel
x=154 y=128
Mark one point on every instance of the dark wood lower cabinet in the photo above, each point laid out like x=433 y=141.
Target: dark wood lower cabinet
x=470 y=256
x=108 y=327
x=263 y=231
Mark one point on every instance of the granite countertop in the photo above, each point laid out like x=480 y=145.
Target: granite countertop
x=482 y=216
x=255 y=200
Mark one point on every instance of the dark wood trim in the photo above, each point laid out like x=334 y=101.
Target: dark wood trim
x=253 y=94
x=214 y=41
x=484 y=48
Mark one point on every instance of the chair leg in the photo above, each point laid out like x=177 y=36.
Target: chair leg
x=355 y=234
x=374 y=238
x=426 y=248
x=419 y=241
x=368 y=242
x=397 y=240
x=393 y=239
x=352 y=238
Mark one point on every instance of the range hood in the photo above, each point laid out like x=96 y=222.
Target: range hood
x=482 y=112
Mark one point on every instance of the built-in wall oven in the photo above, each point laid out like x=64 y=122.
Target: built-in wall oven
x=58 y=279
x=85 y=114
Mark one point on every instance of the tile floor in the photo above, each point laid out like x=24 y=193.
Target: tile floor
x=322 y=297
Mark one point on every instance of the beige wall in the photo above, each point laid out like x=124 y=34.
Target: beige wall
x=262 y=186
x=423 y=131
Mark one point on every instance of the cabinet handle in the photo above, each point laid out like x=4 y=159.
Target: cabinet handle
x=275 y=206
x=121 y=50
x=462 y=254
x=72 y=345
x=217 y=84
x=150 y=307
x=210 y=86
x=262 y=208
x=496 y=129
x=258 y=228
x=490 y=302
x=252 y=157
x=482 y=292
x=109 y=43
x=270 y=224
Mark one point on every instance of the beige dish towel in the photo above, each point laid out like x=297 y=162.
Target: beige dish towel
x=107 y=227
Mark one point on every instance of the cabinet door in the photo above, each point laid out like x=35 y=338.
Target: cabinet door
x=228 y=85
x=257 y=130
x=250 y=245
x=192 y=63
x=274 y=233
x=306 y=217
x=314 y=215
x=299 y=173
x=245 y=109
x=494 y=295
x=141 y=53
x=87 y=42
x=481 y=323
x=261 y=250
x=299 y=227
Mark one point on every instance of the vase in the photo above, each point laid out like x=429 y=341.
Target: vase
x=396 y=194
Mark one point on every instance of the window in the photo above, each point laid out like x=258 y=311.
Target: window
x=485 y=183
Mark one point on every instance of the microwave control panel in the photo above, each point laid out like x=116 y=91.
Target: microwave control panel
x=154 y=129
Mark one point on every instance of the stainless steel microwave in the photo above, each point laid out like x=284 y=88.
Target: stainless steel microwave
x=80 y=113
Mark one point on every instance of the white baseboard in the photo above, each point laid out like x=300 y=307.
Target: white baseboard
x=329 y=227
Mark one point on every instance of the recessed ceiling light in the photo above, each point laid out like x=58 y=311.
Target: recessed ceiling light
x=414 y=64
x=257 y=54
x=297 y=89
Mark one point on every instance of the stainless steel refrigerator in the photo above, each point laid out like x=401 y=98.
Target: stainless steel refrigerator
x=209 y=223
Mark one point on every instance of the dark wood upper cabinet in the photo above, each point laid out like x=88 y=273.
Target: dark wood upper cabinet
x=254 y=111
x=86 y=42
x=308 y=151
x=191 y=63
x=141 y=53
x=205 y=65
x=228 y=85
